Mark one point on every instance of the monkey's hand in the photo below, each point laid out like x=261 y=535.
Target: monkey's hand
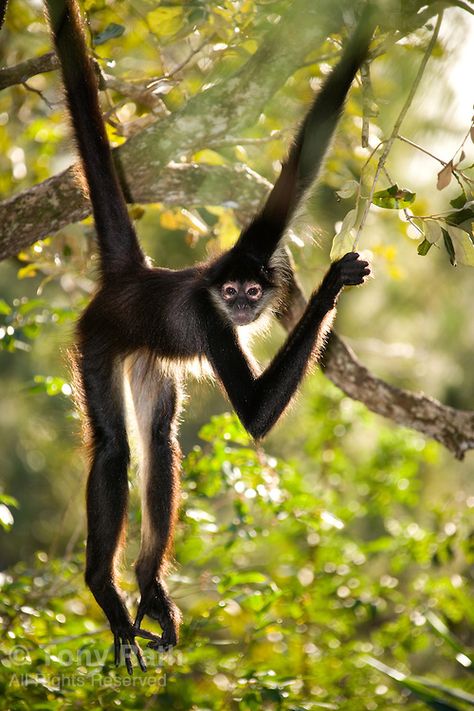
x=157 y=604
x=124 y=640
x=350 y=270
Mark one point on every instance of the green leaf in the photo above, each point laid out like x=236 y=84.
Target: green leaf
x=424 y=247
x=393 y=198
x=460 y=216
x=111 y=32
x=431 y=692
x=459 y=201
x=443 y=631
x=246 y=577
x=30 y=305
x=9 y=500
x=449 y=247
x=50 y=385
x=6 y=517
x=344 y=240
x=348 y=189
x=5 y=309
x=434 y=231
x=462 y=245
x=165 y=21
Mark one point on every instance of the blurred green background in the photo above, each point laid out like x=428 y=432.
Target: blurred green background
x=331 y=567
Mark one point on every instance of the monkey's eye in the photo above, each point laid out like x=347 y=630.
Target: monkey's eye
x=229 y=291
x=254 y=292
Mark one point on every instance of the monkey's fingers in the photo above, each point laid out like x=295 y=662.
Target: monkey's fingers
x=350 y=257
x=139 y=656
x=139 y=632
x=354 y=273
x=161 y=645
x=127 y=653
x=126 y=642
x=117 y=644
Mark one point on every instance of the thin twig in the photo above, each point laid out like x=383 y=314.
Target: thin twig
x=455 y=171
x=389 y=143
x=186 y=61
x=419 y=148
x=39 y=93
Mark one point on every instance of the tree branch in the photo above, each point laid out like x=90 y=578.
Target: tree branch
x=25 y=70
x=396 y=128
x=55 y=203
x=452 y=428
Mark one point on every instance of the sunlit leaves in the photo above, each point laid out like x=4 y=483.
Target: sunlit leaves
x=459 y=242
x=183 y=220
x=111 y=32
x=6 y=516
x=434 y=693
x=23 y=321
x=344 y=239
x=463 y=246
x=273 y=590
x=5 y=309
x=348 y=189
x=165 y=21
x=393 y=198
x=51 y=385
x=434 y=231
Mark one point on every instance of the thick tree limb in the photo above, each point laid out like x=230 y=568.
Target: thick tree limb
x=452 y=428
x=55 y=203
x=237 y=103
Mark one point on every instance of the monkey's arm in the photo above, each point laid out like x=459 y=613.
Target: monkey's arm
x=259 y=401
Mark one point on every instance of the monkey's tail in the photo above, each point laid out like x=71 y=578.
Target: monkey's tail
x=307 y=153
x=118 y=243
x=3 y=11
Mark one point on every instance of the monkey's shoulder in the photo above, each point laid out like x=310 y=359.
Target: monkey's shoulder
x=155 y=308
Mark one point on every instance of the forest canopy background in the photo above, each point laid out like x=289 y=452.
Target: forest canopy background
x=343 y=545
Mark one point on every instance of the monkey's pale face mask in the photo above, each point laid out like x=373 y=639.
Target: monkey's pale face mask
x=242 y=302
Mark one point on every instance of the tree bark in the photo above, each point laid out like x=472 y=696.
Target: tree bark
x=9 y=76
x=452 y=428
x=47 y=207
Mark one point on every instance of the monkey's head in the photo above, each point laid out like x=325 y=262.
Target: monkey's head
x=242 y=287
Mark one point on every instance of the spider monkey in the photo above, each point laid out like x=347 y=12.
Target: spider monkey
x=148 y=324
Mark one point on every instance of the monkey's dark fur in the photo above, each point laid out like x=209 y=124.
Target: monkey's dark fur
x=148 y=325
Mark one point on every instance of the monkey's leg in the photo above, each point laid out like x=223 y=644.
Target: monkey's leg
x=156 y=414
x=107 y=497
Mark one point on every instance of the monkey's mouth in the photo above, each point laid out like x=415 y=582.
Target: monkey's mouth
x=243 y=317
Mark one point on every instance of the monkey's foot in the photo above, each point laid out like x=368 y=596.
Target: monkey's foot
x=124 y=640
x=157 y=604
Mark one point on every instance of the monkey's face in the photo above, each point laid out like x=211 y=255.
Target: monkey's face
x=242 y=287
x=243 y=302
